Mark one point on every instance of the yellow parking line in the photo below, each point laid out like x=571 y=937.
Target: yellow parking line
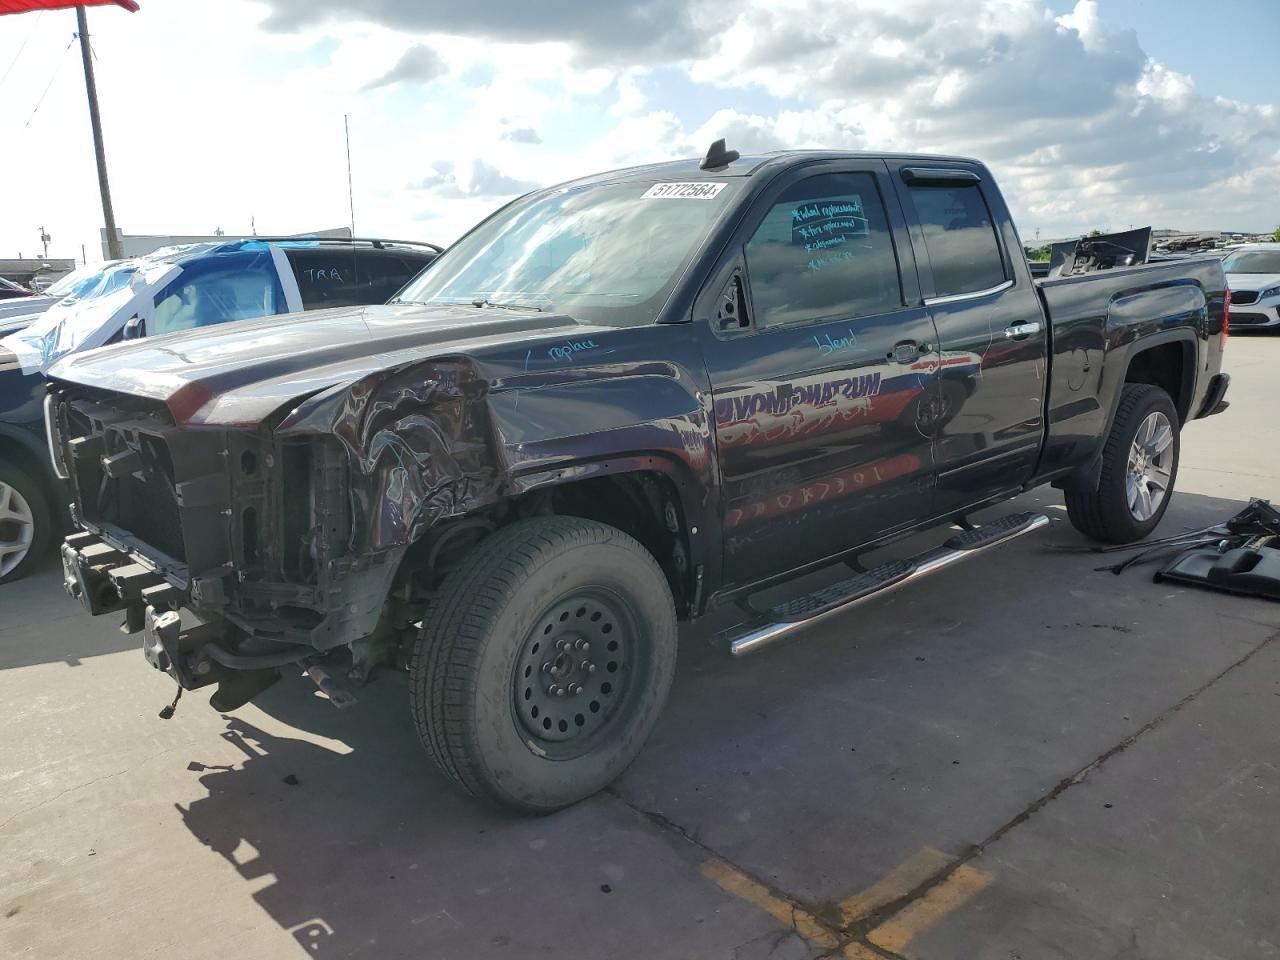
x=784 y=911
x=897 y=932
x=900 y=881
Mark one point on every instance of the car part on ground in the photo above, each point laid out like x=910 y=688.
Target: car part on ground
x=1245 y=560
x=1240 y=556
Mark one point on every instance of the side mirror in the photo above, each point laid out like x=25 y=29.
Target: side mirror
x=135 y=329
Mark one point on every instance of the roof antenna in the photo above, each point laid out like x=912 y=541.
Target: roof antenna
x=718 y=157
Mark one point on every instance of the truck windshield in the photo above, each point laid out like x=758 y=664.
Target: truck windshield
x=1252 y=261
x=603 y=253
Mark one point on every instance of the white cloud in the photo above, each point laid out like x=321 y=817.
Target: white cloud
x=219 y=110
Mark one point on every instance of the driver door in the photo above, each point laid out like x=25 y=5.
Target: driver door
x=821 y=360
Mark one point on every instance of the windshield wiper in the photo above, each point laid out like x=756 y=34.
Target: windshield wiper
x=505 y=306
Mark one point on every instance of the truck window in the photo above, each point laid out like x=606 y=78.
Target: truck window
x=823 y=250
x=382 y=275
x=217 y=291
x=326 y=278
x=960 y=236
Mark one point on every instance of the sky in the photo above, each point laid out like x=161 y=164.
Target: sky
x=229 y=113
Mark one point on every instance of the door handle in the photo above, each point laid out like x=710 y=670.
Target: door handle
x=908 y=351
x=1020 y=331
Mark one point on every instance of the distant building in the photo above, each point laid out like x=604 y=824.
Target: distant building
x=140 y=244
x=25 y=270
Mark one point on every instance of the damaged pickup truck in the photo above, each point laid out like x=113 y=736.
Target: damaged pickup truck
x=613 y=405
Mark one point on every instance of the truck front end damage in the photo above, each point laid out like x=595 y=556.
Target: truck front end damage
x=248 y=531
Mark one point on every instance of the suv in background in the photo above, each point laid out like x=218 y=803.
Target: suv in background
x=178 y=288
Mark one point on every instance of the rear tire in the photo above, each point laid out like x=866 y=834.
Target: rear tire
x=26 y=523
x=544 y=663
x=1139 y=469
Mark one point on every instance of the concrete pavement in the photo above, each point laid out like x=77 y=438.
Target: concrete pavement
x=1019 y=758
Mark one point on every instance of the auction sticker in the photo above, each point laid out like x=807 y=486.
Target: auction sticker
x=683 y=191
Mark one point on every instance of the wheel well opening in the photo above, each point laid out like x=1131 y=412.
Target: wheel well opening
x=1164 y=366
x=644 y=505
x=24 y=459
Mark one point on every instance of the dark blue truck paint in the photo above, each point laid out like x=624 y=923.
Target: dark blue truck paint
x=312 y=461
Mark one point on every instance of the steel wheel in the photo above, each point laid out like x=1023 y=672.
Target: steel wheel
x=571 y=676
x=1150 y=468
x=17 y=528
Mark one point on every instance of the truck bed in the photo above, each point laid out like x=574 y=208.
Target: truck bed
x=1094 y=320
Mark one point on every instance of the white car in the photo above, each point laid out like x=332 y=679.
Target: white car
x=1253 y=275
x=22 y=312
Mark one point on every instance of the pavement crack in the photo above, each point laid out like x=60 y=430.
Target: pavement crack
x=802 y=917
x=864 y=925
x=856 y=934
x=88 y=783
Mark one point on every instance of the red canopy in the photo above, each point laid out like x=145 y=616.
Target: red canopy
x=22 y=6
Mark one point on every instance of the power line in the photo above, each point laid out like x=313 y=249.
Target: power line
x=56 y=71
x=14 y=62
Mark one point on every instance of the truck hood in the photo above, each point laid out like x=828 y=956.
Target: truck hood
x=236 y=374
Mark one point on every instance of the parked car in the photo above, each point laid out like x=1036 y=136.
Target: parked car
x=1253 y=274
x=180 y=288
x=12 y=291
x=614 y=404
x=17 y=314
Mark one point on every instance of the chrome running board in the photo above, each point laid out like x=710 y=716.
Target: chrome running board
x=789 y=617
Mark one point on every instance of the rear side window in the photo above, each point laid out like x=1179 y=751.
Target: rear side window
x=348 y=278
x=823 y=251
x=382 y=275
x=326 y=278
x=960 y=237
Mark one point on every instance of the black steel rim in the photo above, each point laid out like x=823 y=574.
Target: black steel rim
x=573 y=673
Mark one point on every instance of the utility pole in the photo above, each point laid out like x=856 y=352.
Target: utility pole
x=114 y=252
x=45 y=238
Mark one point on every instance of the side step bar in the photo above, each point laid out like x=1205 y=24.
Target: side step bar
x=788 y=617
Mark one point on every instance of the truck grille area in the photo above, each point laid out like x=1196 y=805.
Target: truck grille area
x=144 y=501
x=158 y=489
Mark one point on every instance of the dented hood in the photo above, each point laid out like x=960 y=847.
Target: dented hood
x=237 y=374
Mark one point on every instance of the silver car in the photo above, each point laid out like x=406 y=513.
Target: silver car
x=1253 y=274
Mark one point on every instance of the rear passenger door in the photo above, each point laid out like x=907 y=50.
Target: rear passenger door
x=819 y=357
x=988 y=420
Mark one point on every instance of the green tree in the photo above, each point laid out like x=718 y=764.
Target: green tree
x=1276 y=235
x=1037 y=253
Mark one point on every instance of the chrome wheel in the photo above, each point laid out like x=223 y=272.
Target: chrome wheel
x=1150 y=469
x=17 y=528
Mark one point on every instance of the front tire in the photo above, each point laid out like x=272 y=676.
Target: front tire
x=26 y=523
x=544 y=663
x=1139 y=469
